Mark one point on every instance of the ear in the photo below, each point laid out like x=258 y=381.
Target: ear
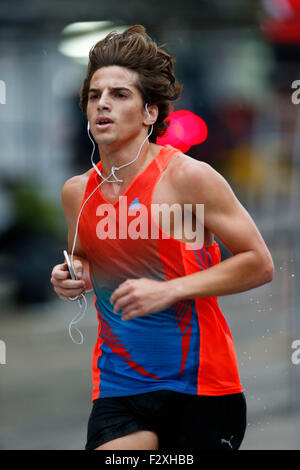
x=152 y=116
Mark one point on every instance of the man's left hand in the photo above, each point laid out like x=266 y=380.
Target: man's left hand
x=139 y=297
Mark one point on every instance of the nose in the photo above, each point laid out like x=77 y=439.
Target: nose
x=103 y=102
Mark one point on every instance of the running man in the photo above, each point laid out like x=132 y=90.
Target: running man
x=164 y=367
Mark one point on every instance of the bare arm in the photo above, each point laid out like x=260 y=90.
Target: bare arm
x=63 y=285
x=251 y=264
x=71 y=197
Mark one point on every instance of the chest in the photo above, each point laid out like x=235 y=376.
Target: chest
x=170 y=213
x=163 y=192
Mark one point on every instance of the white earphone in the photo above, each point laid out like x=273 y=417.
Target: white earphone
x=148 y=114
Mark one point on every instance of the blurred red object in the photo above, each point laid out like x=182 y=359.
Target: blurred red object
x=283 y=24
x=295 y=5
x=185 y=129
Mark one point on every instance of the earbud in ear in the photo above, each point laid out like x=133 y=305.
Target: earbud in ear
x=148 y=114
x=88 y=125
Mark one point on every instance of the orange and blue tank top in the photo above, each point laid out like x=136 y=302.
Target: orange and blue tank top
x=187 y=347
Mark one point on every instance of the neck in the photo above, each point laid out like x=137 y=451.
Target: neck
x=112 y=155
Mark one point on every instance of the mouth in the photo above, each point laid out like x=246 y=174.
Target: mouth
x=103 y=122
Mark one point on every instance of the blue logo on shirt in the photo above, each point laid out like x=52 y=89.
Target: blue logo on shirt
x=134 y=204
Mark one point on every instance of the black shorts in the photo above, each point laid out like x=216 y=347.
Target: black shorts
x=181 y=421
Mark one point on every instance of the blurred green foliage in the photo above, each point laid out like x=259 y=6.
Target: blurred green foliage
x=34 y=211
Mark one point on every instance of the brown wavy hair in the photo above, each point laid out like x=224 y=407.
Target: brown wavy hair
x=135 y=50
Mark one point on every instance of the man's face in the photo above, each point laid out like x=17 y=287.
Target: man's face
x=113 y=95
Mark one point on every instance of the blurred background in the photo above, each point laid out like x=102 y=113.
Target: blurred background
x=239 y=63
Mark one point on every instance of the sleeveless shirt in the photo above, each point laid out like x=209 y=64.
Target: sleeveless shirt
x=187 y=347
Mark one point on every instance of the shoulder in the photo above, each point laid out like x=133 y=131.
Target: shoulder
x=76 y=183
x=195 y=179
x=184 y=170
x=74 y=188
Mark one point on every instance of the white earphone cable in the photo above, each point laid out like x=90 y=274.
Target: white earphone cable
x=81 y=315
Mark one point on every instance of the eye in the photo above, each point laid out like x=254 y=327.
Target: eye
x=92 y=97
x=119 y=94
